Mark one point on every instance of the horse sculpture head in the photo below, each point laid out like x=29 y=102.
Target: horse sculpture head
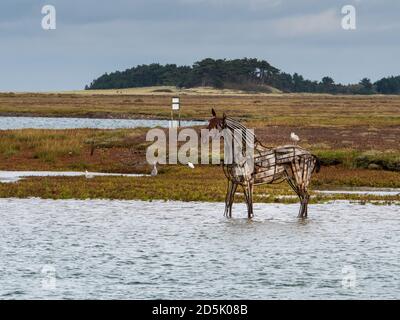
x=215 y=122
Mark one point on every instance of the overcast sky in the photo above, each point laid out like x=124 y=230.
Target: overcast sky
x=94 y=36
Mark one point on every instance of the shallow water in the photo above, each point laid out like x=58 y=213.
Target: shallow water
x=14 y=176
x=373 y=192
x=8 y=123
x=134 y=249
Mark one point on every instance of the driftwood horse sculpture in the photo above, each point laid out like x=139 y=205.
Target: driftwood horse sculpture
x=271 y=165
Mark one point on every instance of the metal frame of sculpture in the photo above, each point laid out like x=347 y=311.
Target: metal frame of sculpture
x=271 y=165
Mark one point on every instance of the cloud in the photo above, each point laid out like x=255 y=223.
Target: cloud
x=251 y=4
x=310 y=24
x=93 y=37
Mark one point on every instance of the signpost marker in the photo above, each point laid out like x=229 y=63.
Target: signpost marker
x=176 y=106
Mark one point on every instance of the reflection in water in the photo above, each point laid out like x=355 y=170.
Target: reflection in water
x=14 y=176
x=8 y=123
x=363 y=191
x=134 y=249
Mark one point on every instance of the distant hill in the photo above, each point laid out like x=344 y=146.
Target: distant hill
x=250 y=75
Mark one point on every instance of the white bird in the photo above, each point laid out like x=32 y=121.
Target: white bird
x=154 y=172
x=190 y=165
x=88 y=175
x=294 y=137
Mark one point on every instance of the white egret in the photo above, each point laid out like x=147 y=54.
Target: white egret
x=154 y=172
x=190 y=165
x=294 y=137
x=88 y=175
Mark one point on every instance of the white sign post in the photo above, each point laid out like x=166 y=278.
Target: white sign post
x=176 y=106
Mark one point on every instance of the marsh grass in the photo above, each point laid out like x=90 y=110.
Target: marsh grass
x=257 y=109
x=388 y=160
x=204 y=183
x=66 y=149
x=30 y=149
x=372 y=159
x=351 y=135
x=70 y=150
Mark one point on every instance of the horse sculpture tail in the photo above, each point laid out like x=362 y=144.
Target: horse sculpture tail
x=317 y=164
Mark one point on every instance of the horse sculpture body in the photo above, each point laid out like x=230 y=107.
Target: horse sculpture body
x=271 y=165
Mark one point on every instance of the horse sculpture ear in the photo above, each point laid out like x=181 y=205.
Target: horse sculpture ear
x=213 y=112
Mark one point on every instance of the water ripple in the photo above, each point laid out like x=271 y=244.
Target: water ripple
x=188 y=250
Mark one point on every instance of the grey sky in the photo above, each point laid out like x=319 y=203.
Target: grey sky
x=93 y=37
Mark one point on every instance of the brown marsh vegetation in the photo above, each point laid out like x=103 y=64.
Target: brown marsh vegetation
x=258 y=110
x=356 y=138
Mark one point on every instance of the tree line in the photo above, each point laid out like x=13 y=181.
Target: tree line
x=244 y=74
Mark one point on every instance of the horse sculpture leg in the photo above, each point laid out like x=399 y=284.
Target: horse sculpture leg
x=230 y=195
x=248 y=194
x=232 y=199
x=307 y=168
x=300 y=194
x=227 y=198
x=304 y=197
x=299 y=178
